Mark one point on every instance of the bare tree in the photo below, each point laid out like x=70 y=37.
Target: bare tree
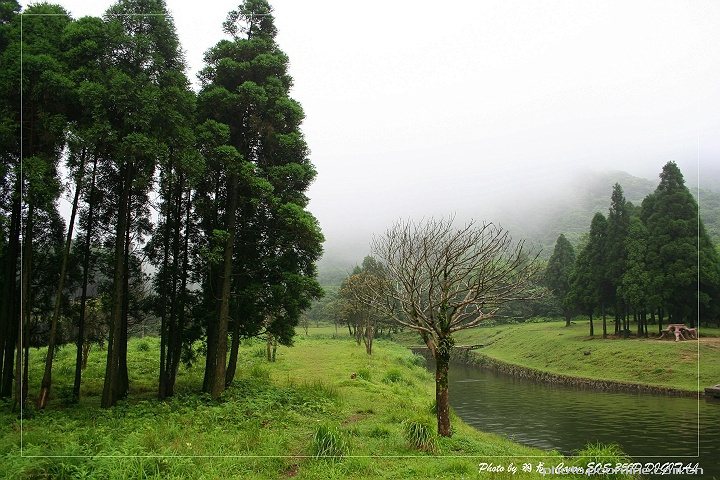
x=443 y=279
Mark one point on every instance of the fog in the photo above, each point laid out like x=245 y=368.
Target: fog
x=483 y=109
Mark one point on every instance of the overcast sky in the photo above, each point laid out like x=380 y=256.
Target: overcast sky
x=419 y=108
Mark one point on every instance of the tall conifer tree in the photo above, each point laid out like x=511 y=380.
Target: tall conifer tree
x=618 y=223
x=266 y=241
x=557 y=274
x=143 y=64
x=677 y=241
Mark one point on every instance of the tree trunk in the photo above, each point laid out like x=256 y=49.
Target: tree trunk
x=8 y=303
x=81 y=354
x=47 y=376
x=173 y=333
x=164 y=340
x=112 y=368
x=85 y=355
x=442 y=390
x=123 y=385
x=369 y=334
x=216 y=375
x=21 y=375
x=268 y=347
x=232 y=363
x=176 y=347
x=592 y=329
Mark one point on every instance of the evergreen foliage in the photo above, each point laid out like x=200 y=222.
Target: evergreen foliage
x=557 y=273
x=259 y=171
x=656 y=260
x=205 y=190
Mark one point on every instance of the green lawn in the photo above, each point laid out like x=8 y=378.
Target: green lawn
x=271 y=423
x=555 y=348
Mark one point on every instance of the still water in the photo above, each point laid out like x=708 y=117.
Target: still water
x=562 y=418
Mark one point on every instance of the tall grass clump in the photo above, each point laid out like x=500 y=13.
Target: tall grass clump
x=261 y=373
x=420 y=435
x=604 y=454
x=364 y=373
x=328 y=442
x=142 y=346
x=393 y=376
x=321 y=389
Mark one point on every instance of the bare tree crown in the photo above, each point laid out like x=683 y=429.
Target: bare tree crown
x=441 y=279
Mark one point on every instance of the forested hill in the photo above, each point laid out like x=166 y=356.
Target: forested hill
x=570 y=210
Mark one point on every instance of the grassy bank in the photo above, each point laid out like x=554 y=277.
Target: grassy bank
x=301 y=417
x=556 y=349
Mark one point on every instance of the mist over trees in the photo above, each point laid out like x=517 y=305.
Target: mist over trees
x=609 y=273
x=653 y=264
x=190 y=207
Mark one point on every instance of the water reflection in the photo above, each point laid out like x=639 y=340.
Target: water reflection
x=563 y=418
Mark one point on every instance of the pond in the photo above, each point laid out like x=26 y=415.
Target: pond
x=554 y=417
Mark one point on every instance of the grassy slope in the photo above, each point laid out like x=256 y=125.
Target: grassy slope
x=262 y=427
x=554 y=348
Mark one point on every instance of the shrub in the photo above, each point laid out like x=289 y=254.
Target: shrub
x=412 y=359
x=364 y=373
x=418 y=360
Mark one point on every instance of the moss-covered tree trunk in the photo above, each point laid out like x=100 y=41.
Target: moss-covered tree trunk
x=440 y=350
x=442 y=386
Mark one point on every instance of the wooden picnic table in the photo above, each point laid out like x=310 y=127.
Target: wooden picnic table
x=680 y=331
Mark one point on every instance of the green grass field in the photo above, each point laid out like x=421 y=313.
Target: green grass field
x=301 y=417
x=553 y=347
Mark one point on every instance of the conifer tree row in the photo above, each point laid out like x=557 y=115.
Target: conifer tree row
x=206 y=191
x=652 y=264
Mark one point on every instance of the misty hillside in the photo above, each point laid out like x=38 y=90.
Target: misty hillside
x=571 y=212
x=566 y=210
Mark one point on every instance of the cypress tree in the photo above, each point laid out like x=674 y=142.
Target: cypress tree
x=677 y=245
x=262 y=242
x=557 y=274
